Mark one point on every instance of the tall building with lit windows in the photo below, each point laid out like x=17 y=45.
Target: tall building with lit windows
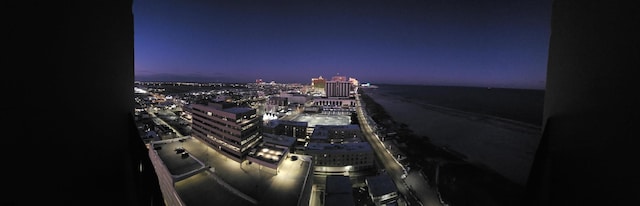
x=227 y=128
x=339 y=78
x=318 y=84
x=338 y=87
x=354 y=81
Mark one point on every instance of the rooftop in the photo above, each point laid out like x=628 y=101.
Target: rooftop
x=355 y=146
x=338 y=191
x=381 y=185
x=282 y=140
x=338 y=184
x=268 y=153
x=348 y=133
x=237 y=110
x=230 y=182
x=323 y=119
x=339 y=200
x=276 y=122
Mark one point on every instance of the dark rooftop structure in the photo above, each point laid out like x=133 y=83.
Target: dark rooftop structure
x=381 y=185
x=338 y=191
x=382 y=189
x=238 y=110
x=279 y=140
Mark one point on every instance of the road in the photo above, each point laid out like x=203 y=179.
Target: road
x=155 y=117
x=416 y=190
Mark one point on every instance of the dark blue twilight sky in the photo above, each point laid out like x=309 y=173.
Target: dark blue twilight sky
x=498 y=43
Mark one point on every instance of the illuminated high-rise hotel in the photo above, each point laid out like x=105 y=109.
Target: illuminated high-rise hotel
x=318 y=84
x=229 y=129
x=338 y=87
x=354 y=81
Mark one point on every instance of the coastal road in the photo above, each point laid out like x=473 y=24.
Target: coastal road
x=415 y=183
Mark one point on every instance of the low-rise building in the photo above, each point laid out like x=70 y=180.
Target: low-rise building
x=279 y=140
x=288 y=128
x=268 y=156
x=340 y=158
x=336 y=134
x=382 y=190
x=338 y=191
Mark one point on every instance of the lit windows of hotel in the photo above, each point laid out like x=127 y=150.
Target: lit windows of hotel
x=318 y=84
x=337 y=89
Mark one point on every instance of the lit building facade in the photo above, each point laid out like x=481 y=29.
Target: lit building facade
x=339 y=149
x=331 y=159
x=270 y=157
x=318 y=84
x=354 y=81
x=338 y=89
x=275 y=104
x=336 y=134
x=229 y=129
x=339 y=78
x=287 y=128
x=335 y=102
x=293 y=97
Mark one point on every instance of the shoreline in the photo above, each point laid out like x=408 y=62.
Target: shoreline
x=458 y=169
x=508 y=147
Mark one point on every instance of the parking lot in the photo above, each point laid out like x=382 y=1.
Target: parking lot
x=175 y=162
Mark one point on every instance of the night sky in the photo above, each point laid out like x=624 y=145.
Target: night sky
x=499 y=43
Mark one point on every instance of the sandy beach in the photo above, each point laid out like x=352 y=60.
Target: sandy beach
x=506 y=146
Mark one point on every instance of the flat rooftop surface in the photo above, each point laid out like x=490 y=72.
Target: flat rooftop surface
x=175 y=162
x=381 y=185
x=278 y=139
x=338 y=184
x=323 y=119
x=228 y=182
x=354 y=146
x=237 y=110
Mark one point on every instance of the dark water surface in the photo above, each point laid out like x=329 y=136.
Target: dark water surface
x=524 y=105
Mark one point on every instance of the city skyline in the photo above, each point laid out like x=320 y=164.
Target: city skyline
x=463 y=43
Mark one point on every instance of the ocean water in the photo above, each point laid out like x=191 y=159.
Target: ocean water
x=496 y=127
x=524 y=105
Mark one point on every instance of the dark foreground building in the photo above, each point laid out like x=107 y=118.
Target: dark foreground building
x=586 y=153
x=71 y=107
